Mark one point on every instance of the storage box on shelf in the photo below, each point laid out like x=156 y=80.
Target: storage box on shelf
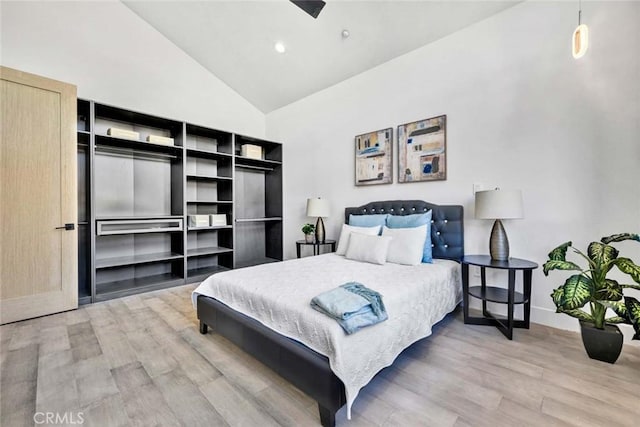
x=252 y=151
x=163 y=140
x=123 y=134
x=196 y=221
x=218 y=220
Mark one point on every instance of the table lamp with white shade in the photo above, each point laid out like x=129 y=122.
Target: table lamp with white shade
x=318 y=207
x=499 y=204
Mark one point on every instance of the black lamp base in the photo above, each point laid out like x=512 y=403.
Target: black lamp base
x=319 y=230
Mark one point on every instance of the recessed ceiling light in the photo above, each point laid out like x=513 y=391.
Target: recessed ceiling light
x=345 y=34
x=279 y=47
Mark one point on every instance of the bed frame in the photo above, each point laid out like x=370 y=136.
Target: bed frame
x=298 y=364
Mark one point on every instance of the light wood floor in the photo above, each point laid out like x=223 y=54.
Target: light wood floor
x=141 y=361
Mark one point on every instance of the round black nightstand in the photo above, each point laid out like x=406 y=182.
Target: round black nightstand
x=496 y=294
x=316 y=246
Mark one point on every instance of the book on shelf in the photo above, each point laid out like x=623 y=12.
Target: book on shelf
x=123 y=133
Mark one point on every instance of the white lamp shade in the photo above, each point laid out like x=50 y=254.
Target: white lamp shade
x=318 y=207
x=499 y=204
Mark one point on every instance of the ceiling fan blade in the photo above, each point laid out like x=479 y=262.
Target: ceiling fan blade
x=312 y=7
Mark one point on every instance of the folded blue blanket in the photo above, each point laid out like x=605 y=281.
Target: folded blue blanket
x=353 y=305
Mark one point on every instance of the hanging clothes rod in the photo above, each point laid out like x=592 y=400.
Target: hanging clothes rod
x=132 y=152
x=260 y=168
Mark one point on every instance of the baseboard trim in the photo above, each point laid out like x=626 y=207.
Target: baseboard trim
x=547 y=317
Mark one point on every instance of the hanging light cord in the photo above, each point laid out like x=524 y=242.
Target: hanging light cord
x=579 y=11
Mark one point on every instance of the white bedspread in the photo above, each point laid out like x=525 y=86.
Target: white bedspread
x=278 y=296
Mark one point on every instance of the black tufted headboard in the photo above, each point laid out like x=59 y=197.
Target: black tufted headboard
x=447 y=225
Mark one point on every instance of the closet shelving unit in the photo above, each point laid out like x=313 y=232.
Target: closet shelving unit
x=258 y=224
x=209 y=180
x=138 y=204
x=134 y=198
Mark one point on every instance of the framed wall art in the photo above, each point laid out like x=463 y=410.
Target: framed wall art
x=422 y=150
x=374 y=162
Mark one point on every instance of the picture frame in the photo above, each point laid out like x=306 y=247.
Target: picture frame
x=374 y=158
x=422 y=150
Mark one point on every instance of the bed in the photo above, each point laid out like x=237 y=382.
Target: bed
x=253 y=326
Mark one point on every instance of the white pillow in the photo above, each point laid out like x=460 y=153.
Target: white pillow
x=407 y=244
x=343 y=243
x=368 y=248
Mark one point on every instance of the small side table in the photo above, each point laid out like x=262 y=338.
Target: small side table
x=316 y=246
x=497 y=294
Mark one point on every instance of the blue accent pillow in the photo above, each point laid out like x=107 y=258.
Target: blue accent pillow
x=412 y=221
x=368 y=220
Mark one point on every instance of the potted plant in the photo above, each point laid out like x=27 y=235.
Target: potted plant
x=601 y=337
x=308 y=230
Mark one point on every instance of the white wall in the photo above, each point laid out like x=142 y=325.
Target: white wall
x=115 y=57
x=521 y=113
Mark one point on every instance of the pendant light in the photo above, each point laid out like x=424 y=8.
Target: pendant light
x=580 y=39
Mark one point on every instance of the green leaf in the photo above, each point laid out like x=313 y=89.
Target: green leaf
x=633 y=314
x=614 y=320
x=627 y=266
x=620 y=238
x=602 y=254
x=579 y=314
x=556 y=264
x=631 y=286
x=557 y=296
x=577 y=291
x=618 y=306
x=611 y=291
x=559 y=253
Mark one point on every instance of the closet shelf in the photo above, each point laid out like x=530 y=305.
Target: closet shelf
x=260 y=163
x=221 y=227
x=199 y=274
x=209 y=178
x=119 y=288
x=138 y=146
x=212 y=250
x=135 y=218
x=256 y=261
x=275 y=218
x=209 y=202
x=201 y=131
x=214 y=155
x=110 y=113
x=136 y=259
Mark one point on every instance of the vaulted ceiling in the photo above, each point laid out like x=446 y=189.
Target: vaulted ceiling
x=235 y=40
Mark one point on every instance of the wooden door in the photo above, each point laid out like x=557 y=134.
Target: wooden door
x=38 y=194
